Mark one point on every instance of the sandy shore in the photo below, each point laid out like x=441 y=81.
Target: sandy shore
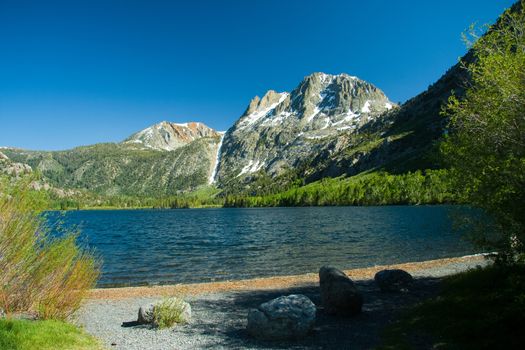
x=418 y=269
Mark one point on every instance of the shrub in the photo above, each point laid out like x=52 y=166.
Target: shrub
x=41 y=272
x=169 y=312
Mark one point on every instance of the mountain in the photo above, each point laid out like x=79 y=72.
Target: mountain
x=405 y=138
x=170 y=136
x=400 y=140
x=282 y=132
x=329 y=125
x=161 y=160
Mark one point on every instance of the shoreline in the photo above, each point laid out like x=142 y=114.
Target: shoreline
x=270 y=283
x=211 y=206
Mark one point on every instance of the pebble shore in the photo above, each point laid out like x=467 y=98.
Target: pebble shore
x=220 y=310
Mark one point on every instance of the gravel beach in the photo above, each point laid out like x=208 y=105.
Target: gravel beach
x=220 y=310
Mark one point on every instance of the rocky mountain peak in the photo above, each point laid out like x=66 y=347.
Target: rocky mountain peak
x=281 y=130
x=260 y=107
x=169 y=136
x=258 y=104
x=327 y=94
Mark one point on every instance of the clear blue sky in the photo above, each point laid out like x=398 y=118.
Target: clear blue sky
x=79 y=72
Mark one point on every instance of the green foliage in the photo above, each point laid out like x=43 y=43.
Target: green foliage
x=169 y=312
x=376 y=188
x=44 y=335
x=479 y=309
x=486 y=146
x=23 y=187
x=261 y=183
x=429 y=187
x=40 y=272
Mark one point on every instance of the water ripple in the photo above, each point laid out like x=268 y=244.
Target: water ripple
x=141 y=247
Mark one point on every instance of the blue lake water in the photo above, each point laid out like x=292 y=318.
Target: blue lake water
x=141 y=247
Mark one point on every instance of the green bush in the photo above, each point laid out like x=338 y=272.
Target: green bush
x=41 y=273
x=169 y=312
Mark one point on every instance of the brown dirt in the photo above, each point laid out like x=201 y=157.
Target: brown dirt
x=266 y=283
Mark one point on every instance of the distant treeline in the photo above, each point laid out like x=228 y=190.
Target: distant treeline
x=377 y=188
x=199 y=199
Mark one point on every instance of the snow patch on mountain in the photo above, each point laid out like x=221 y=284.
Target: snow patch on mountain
x=366 y=107
x=251 y=167
x=252 y=118
x=213 y=175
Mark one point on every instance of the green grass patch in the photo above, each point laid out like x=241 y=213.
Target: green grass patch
x=479 y=309
x=44 y=335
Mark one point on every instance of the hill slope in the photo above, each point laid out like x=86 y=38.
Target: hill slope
x=132 y=168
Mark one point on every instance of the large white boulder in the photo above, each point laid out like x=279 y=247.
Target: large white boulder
x=286 y=317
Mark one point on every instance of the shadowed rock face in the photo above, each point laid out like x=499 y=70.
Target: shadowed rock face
x=395 y=280
x=281 y=130
x=339 y=296
x=170 y=136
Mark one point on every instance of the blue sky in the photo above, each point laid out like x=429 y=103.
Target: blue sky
x=79 y=72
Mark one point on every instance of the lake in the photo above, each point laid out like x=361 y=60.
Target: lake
x=148 y=247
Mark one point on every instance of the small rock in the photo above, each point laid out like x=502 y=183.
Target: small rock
x=146 y=312
x=393 y=280
x=286 y=317
x=339 y=296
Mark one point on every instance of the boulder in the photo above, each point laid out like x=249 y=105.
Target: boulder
x=393 y=280
x=146 y=312
x=339 y=296
x=286 y=317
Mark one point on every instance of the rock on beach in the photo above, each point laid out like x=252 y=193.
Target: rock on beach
x=286 y=317
x=339 y=296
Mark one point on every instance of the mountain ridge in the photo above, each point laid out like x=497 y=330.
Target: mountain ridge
x=329 y=125
x=280 y=131
x=169 y=136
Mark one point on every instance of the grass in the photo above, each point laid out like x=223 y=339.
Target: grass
x=44 y=335
x=478 y=309
x=169 y=312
